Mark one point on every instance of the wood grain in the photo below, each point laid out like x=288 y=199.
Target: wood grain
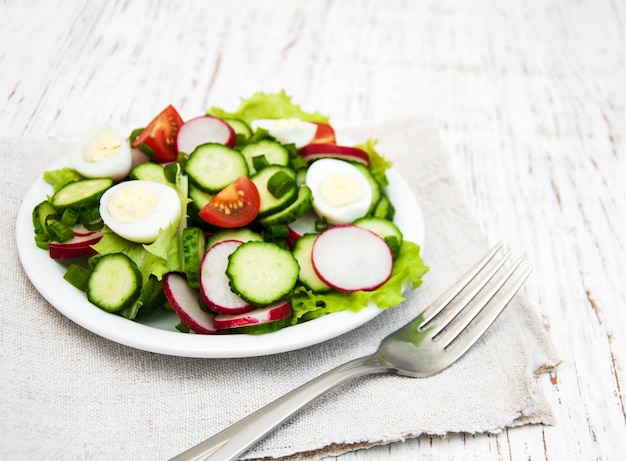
x=531 y=103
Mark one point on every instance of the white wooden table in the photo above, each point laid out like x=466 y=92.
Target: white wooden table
x=530 y=98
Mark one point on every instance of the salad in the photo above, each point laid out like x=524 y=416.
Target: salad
x=240 y=222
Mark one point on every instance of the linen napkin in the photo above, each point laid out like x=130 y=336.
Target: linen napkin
x=67 y=393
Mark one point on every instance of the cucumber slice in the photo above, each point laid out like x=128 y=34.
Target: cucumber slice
x=277 y=188
x=384 y=208
x=273 y=153
x=262 y=272
x=241 y=234
x=198 y=197
x=385 y=229
x=114 y=283
x=193 y=251
x=302 y=251
x=211 y=167
x=81 y=194
x=374 y=185
x=150 y=172
x=242 y=129
x=299 y=207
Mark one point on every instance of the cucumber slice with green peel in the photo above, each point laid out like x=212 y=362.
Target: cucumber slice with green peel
x=193 y=251
x=385 y=229
x=198 y=197
x=265 y=152
x=81 y=194
x=374 y=185
x=114 y=283
x=261 y=272
x=384 y=208
x=302 y=251
x=150 y=171
x=298 y=208
x=277 y=188
x=211 y=167
x=241 y=234
x=242 y=129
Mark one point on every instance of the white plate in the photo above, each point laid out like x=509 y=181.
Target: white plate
x=159 y=335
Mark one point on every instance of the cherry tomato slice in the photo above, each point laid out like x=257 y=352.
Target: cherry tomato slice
x=160 y=135
x=325 y=134
x=236 y=205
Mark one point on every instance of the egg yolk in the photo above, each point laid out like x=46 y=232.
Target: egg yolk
x=102 y=146
x=340 y=189
x=132 y=203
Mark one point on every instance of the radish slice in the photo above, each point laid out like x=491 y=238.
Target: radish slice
x=351 y=258
x=274 y=312
x=214 y=283
x=202 y=130
x=184 y=301
x=316 y=151
x=305 y=224
x=77 y=247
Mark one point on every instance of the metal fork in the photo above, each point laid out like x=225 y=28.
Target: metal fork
x=425 y=346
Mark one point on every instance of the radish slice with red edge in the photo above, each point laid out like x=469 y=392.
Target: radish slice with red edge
x=313 y=152
x=214 y=283
x=77 y=247
x=277 y=311
x=202 y=130
x=184 y=301
x=350 y=258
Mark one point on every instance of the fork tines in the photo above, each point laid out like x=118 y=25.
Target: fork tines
x=446 y=325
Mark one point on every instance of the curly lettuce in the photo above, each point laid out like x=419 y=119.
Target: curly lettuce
x=268 y=106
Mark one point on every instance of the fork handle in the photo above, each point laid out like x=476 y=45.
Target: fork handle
x=236 y=439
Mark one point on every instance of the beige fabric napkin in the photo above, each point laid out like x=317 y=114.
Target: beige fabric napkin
x=69 y=394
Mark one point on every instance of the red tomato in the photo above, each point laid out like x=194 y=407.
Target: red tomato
x=325 y=134
x=160 y=135
x=234 y=206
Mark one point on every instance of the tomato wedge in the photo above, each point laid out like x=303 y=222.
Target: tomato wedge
x=160 y=135
x=236 y=205
x=325 y=134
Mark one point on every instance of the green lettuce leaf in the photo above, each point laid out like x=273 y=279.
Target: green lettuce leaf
x=378 y=163
x=268 y=105
x=59 y=178
x=408 y=268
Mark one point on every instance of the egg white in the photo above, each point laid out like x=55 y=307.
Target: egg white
x=136 y=210
x=102 y=153
x=288 y=130
x=338 y=209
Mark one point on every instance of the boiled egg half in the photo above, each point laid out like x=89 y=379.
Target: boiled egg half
x=287 y=130
x=102 y=153
x=136 y=210
x=341 y=193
